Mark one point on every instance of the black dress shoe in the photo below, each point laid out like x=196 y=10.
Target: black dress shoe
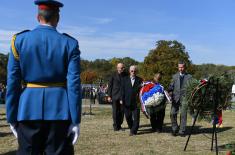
x=182 y=134
x=131 y=134
x=154 y=130
x=115 y=129
x=174 y=133
x=158 y=130
x=121 y=129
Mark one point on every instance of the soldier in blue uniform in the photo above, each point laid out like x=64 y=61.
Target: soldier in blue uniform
x=45 y=114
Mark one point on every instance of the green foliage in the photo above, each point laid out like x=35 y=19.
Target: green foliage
x=164 y=58
x=3 y=67
x=104 y=68
x=127 y=61
x=205 y=70
x=203 y=95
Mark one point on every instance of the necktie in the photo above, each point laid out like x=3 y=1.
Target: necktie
x=181 y=80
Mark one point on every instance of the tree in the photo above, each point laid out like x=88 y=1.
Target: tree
x=88 y=77
x=164 y=58
x=3 y=67
x=127 y=61
x=205 y=70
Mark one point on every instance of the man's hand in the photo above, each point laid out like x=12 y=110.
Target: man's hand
x=74 y=131
x=13 y=129
x=109 y=99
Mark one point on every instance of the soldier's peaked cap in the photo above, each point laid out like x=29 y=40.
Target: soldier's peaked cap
x=50 y=3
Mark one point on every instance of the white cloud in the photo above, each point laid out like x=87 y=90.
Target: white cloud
x=77 y=30
x=117 y=44
x=101 y=20
x=204 y=53
x=96 y=45
x=5 y=39
x=135 y=45
x=200 y=49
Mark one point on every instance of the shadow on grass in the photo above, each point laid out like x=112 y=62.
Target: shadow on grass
x=145 y=131
x=4 y=125
x=168 y=129
x=3 y=134
x=199 y=130
x=145 y=125
x=9 y=153
x=3 y=119
x=227 y=147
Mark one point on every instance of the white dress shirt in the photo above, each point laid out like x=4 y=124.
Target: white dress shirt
x=132 y=80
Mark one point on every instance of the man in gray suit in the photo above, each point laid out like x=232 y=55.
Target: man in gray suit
x=177 y=89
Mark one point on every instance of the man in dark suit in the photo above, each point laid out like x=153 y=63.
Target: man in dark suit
x=114 y=93
x=130 y=94
x=177 y=89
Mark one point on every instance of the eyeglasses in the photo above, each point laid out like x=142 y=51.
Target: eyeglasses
x=133 y=71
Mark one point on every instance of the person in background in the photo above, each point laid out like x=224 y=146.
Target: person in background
x=45 y=116
x=130 y=97
x=1 y=94
x=114 y=96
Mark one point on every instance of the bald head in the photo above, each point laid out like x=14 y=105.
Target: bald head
x=120 y=67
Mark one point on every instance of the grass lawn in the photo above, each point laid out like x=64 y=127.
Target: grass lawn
x=98 y=137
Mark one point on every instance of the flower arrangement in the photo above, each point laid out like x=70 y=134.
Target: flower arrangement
x=203 y=94
x=151 y=95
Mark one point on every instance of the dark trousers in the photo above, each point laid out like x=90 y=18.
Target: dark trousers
x=118 y=114
x=183 y=118
x=44 y=138
x=157 y=119
x=133 y=118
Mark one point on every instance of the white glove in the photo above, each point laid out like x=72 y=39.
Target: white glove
x=75 y=131
x=13 y=129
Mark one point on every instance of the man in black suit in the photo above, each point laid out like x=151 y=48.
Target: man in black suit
x=130 y=94
x=177 y=89
x=114 y=93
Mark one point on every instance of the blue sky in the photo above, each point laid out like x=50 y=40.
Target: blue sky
x=120 y=28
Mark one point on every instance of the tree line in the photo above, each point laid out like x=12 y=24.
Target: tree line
x=163 y=58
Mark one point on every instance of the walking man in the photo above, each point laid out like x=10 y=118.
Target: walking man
x=45 y=115
x=114 y=93
x=130 y=96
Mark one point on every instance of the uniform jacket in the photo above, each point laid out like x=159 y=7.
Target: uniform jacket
x=44 y=56
x=130 y=94
x=114 y=85
x=178 y=92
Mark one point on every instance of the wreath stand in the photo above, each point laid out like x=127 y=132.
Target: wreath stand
x=214 y=132
x=92 y=101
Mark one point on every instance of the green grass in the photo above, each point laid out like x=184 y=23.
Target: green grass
x=98 y=137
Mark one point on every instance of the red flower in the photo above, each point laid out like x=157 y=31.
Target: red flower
x=147 y=87
x=203 y=81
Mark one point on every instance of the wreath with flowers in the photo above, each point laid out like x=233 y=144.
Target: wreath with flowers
x=152 y=95
x=201 y=95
